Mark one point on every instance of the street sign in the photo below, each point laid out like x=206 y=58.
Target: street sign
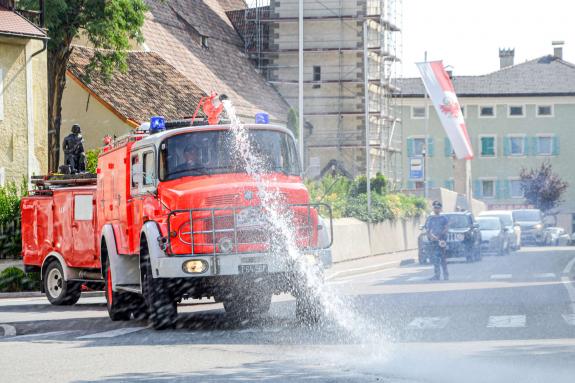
x=416 y=168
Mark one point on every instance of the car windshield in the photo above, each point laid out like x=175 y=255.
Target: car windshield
x=457 y=221
x=489 y=223
x=211 y=152
x=527 y=215
x=507 y=221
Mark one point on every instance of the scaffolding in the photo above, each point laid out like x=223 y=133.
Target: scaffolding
x=334 y=79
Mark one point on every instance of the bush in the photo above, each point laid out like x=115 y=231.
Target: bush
x=92 y=160
x=13 y=279
x=10 y=196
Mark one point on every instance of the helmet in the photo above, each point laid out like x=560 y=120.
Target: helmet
x=76 y=129
x=437 y=204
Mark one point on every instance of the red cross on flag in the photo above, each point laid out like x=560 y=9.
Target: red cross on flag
x=442 y=94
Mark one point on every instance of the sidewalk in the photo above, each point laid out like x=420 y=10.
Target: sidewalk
x=372 y=263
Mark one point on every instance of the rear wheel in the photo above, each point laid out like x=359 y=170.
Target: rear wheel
x=116 y=301
x=162 y=309
x=59 y=291
x=308 y=309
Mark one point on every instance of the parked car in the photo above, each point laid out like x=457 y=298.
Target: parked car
x=556 y=236
x=532 y=228
x=513 y=229
x=463 y=239
x=494 y=237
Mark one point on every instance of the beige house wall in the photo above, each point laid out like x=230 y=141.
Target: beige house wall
x=96 y=120
x=23 y=123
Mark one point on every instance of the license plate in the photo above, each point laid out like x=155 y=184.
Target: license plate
x=250 y=269
x=249 y=217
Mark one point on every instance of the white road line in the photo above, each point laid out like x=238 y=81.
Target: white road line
x=423 y=323
x=566 y=279
x=544 y=275
x=569 y=266
x=44 y=334
x=8 y=330
x=418 y=279
x=368 y=270
x=507 y=321
x=570 y=319
x=113 y=333
x=501 y=276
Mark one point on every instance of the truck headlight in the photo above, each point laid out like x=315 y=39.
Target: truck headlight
x=195 y=266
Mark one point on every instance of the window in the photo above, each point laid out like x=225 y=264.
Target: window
x=149 y=173
x=83 y=208
x=487 y=146
x=516 y=146
x=418 y=146
x=488 y=188
x=515 y=189
x=544 y=110
x=316 y=76
x=204 y=41
x=136 y=171
x=515 y=111
x=544 y=145
x=486 y=111
x=418 y=112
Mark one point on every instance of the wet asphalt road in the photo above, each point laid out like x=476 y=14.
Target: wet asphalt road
x=503 y=319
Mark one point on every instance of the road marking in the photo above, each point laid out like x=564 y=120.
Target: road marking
x=569 y=266
x=570 y=319
x=44 y=334
x=423 y=323
x=501 y=276
x=8 y=330
x=113 y=333
x=507 y=321
x=544 y=275
x=369 y=270
x=418 y=279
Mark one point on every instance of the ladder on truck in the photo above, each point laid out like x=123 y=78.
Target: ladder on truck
x=62 y=180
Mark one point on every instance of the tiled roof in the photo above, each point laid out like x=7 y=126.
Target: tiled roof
x=13 y=24
x=150 y=87
x=544 y=76
x=175 y=29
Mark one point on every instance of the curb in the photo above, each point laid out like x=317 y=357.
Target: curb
x=38 y=294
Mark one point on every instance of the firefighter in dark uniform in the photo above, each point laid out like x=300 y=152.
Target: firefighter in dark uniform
x=74 y=156
x=437 y=226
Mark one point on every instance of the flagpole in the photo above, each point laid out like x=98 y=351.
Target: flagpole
x=426 y=154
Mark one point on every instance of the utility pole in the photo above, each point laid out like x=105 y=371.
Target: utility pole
x=366 y=109
x=300 y=86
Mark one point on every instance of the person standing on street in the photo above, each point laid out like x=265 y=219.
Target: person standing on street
x=436 y=227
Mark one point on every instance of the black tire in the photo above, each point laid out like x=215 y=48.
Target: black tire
x=248 y=305
x=162 y=309
x=58 y=291
x=308 y=309
x=117 y=302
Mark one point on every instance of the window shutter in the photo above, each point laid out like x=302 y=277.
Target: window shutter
x=506 y=146
x=555 y=151
x=447 y=147
x=410 y=147
x=477 y=189
x=430 y=147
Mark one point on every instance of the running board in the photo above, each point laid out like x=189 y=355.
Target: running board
x=130 y=288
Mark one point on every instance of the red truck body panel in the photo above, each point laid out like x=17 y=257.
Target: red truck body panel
x=61 y=221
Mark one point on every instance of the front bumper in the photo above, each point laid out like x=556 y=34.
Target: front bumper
x=230 y=264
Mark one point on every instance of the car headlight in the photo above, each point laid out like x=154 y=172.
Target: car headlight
x=538 y=226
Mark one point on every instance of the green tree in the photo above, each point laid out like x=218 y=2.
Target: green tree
x=107 y=24
x=541 y=187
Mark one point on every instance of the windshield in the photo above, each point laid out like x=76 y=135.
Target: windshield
x=211 y=152
x=527 y=215
x=489 y=224
x=458 y=221
x=507 y=221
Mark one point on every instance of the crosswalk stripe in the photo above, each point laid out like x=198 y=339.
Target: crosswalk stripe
x=501 y=276
x=570 y=319
x=544 y=275
x=507 y=321
x=112 y=333
x=423 y=323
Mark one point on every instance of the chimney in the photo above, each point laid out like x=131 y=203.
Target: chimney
x=558 y=49
x=506 y=57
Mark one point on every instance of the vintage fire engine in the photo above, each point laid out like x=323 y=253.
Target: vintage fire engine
x=172 y=215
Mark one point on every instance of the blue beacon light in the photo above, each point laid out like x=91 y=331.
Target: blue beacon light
x=157 y=124
x=262 y=118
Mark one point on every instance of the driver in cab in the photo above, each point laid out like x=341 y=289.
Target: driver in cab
x=192 y=161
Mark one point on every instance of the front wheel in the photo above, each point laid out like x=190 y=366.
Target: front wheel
x=59 y=291
x=162 y=309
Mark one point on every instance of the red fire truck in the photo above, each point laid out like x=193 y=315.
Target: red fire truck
x=172 y=214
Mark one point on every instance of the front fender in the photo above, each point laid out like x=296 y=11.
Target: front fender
x=151 y=232
x=125 y=267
